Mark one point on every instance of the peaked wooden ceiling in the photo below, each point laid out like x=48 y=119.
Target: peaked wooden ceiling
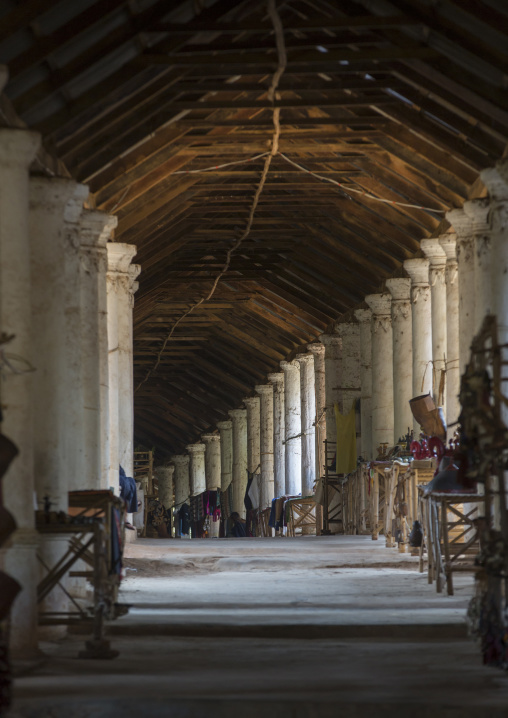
x=404 y=99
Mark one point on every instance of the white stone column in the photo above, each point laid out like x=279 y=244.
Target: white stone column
x=382 y=371
x=212 y=461
x=59 y=409
x=478 y=212
x=437 y=278
x=318 y=351
x=181 y=479
x=421 y=312
x=96 y=228
x=165 y=477
x=333 y=380
x=239 y=419
x=279 y=433
x=293 y=427
x=449 y=244
x=496 y=181
x=121 y=287
x=400 y=289
x=364 y=317
x=58 y=442
x=308 y=416
x=463 y=226
x=265 y=392
x=226 y=452
x=349 y=332
x=252 y=404
x=197 y=468
x=17 y=150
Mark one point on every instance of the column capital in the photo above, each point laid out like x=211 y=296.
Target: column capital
x=290 y=366
x=461 y=223
x=418 y=270
x=97 y=227
x=251 y=402
x=317 y=348
x=449 y=244
x=346 y=329
x=495 y=180
x=399 y=288
x=433 y=251
x=18 y=146
x=224 y=425
x=276 y=377
x=210 y=438
x=331 y=340
x=195 y=448
x=59 y=195
x=166 y=468
x=132 y=274
x=305 y=358
x=478 y=212
x=238 y=413
x=379 y=303
x=264 y=389
x=364 y=316
x=180 y=459
x=120 y=256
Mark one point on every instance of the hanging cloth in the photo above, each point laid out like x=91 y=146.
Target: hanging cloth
x=346 y=440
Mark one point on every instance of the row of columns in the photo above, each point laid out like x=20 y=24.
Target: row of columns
x=66 y=297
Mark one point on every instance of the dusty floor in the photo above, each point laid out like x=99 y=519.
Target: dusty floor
x=306 y=627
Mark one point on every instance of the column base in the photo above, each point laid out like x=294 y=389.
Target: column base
x=21 y=563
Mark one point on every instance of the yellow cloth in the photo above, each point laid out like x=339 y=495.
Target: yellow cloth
x=346 y=440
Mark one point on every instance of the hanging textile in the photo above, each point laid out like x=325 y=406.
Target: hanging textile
x=346 y=440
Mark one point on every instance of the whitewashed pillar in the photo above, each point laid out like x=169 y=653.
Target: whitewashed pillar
x=293 y=427
x=400 y=289
x=265 y=392
x=333 y=381
x=437 y=279
x=59 y=409
x=95 y=230
x=226 y=453
x=463 y=226
x=308 y=416
x=17 y=150
x=239 y=419
x=197 y=468
x=421 y=311
x=318 y=351
x=349 y=332
x=252 y=404
x=496 y=181
x=212 y=461
x=58 y=391
x=449 y=244
x=382 y=371
x=279 y=433
x=165 y=477
x=181 y=479
x=364 y=317
x=478 y=212
x=121 y=282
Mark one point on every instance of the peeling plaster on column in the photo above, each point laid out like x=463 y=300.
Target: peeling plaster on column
x=226 y=453
x=308 y=415
x=212 y=461
x=239 y=419
x=197 y=468
x=293 y=427
x=449 y=244
x=181 y=479
x=421 y=311
x=400 y=289
x=279 y=433
x=364 y=317
x=382 y=370
x=265 y=392
x=318 y=351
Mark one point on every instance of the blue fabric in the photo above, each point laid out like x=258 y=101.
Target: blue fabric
x=128 y=491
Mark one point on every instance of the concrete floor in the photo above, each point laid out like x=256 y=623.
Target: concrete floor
x=300 y=628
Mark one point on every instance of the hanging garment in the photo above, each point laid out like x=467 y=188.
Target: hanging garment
x=346 y=440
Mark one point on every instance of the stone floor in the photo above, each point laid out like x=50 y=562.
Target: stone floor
x=300 y=628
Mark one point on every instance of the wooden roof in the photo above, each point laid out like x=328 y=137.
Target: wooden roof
x=404 y=99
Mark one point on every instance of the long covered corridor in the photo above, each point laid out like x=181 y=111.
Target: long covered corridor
x=306 y=627
x=253 y=358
